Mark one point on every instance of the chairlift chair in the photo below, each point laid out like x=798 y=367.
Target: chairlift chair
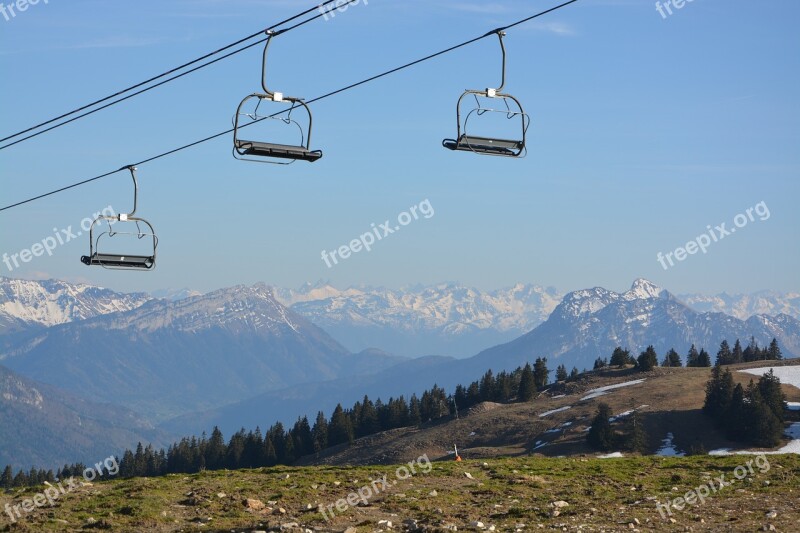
x=117 y=261
x=267 y=152
x=512 y=108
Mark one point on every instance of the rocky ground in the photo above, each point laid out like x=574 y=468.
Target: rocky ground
x=510 y=494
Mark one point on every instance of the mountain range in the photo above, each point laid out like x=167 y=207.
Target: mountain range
x=586 y=325
x=166 y=358
x=444 y=319
x=239 y=357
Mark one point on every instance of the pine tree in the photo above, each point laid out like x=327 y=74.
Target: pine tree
x=527 y=384
x=600 y=362
x=215 y=450
x=601 y=435
x=302 y=438
x=764 y=427
x=620 y=357
x=367 y=423
x=414 y=414
x=648 y=359
x=7 y=478
x=635 y=439
x=541 y=375
x=719 y=393
x=340 y=429
x=561 y=373
x=672 y=359
x=737 y=356
x=769 y=385
x=704 y=359
x=774 y=351
x=752 y=351
x=573 y=375
x=270 y=455
x=320 y=432
x=692 y=358
x=735 y=417
x=724 y=356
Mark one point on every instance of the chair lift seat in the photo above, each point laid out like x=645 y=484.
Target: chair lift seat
x=484 y=145
x=145 y=262
x=283 y=151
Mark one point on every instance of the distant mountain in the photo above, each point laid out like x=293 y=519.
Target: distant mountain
x=743 y=306
x=166 y=358
x=175 y=294
x=48 y=427
x=444 y=319
x=590 y=323
x=587 y=324
x=25 y=304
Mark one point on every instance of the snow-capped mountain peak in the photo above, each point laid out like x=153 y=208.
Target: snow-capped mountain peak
x=26 y=303
x=643 y=289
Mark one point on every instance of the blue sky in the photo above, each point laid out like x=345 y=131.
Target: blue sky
x=645 y=131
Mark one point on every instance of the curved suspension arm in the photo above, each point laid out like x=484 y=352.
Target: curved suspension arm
x=500 y=35
x=135 y=193
x=270 y=94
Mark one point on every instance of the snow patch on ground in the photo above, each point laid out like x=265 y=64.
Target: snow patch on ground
x=602 y=391
x=793 y=432
x=793 y=406
x=787 y=374
x=668 y=449
x=613 y=455
x=548 y=413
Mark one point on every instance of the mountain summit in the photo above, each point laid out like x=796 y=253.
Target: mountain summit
x=166 y=358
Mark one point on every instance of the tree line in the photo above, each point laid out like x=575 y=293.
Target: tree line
x=648 y=359
x=279 y=445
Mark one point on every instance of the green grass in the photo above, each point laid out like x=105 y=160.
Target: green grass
x=604 y=494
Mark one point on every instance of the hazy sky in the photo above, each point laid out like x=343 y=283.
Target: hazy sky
x=645 y=131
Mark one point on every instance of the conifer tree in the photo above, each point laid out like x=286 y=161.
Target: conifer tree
x=774 y=351
x=527 y=384
x=724 y=356
x=693 y=357
x=601 y=435
x=648 y=359
x=340 y=429
x=541 y=375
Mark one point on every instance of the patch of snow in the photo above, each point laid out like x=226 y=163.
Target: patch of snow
x=613 y=455
x=793 y=406
x=472 y=434
x=787 y=374
x=793 y=446
x=602 y=391
x=559 y=396
x=548 y=413
x=621 y=415
x=668 y=449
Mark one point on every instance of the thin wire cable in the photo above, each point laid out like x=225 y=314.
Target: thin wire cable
x=317 y=99
x=165 y=74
